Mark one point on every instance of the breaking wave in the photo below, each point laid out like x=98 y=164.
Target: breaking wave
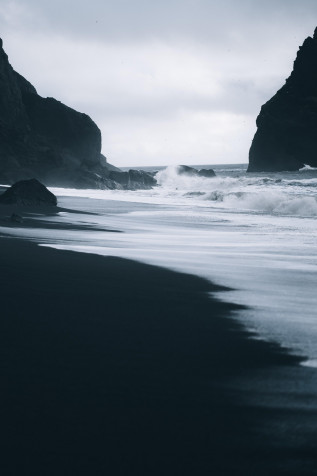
x=259 y=194
x=306 y=168
x=272 y=203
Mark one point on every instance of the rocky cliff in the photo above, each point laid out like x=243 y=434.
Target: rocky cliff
x=43 y=138
x=286 y=137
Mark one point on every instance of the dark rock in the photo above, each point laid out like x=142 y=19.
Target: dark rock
x=44 y=138
x=206 y=173
x=133 y=179
x=286 y=138
x=185 y=170
x=192 y=172
x=28 y=192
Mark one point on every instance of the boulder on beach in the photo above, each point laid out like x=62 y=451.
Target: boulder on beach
x=28 y=192
x=286 y=137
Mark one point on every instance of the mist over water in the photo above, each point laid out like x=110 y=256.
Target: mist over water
x=255 y=233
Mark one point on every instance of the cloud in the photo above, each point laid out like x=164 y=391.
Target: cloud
x=139 y=20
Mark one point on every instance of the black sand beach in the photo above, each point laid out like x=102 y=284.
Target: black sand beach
x=112 y=367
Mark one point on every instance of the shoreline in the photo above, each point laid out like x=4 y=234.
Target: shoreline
x=111 y=366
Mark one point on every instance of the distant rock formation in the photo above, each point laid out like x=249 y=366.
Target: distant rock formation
x=191 y=171
x=286 y=138
x=27 y=192
x=133 y=179
x=207 y=173
x=43 y=138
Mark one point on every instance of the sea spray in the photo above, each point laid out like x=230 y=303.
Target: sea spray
x=255 y=193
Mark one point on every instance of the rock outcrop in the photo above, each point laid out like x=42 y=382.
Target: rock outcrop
x=133 y=179
x=286 y=137
x=192 y=172
x=27 y=192
x=43 y=138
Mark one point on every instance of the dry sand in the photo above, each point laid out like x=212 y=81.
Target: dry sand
x=112 y=367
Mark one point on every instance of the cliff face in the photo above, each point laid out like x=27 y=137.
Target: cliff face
x=43 y=138
x=286 y=138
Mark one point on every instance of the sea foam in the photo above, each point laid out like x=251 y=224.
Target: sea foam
x=258 y=194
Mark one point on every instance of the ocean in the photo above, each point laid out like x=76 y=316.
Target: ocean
x=253 y=233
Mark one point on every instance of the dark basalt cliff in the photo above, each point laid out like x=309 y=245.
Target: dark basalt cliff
x=286 y=138
x=43 y=138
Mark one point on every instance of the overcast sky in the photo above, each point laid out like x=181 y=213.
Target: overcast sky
x=167 y=81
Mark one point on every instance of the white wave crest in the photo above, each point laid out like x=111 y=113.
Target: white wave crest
x=268 y=195
x=170 y=178
x=307 y=167
x=301 y=206
x=272 y=202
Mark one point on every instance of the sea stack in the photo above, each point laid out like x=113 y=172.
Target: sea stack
x=286 y=138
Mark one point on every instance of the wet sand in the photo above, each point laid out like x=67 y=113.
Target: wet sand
x=109 y=366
